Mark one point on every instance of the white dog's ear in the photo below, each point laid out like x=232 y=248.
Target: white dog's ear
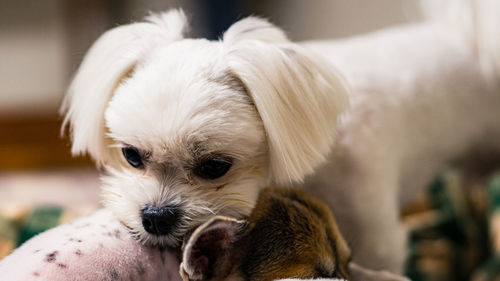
x=254 y=28
x=111 y=59
x=359 y=273
x=207 y=251
x=299 y=96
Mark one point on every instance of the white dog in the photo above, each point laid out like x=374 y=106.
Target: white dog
x=189 y=128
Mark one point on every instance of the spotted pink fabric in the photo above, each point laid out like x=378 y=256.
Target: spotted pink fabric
x=96 y=247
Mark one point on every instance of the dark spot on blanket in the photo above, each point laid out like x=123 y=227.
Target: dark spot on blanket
x=75 y=240
x=51 y=257
x=36 y=273
x=78 y=252
x=62 y=265
x=36 y=251
x=113 y=274
x=101 y=245
x=82 y=226
x=117 y=234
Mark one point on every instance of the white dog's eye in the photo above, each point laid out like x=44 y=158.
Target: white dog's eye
x=213 y=168
x=132 y=156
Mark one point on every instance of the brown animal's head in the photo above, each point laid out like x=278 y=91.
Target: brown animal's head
x=288 y=235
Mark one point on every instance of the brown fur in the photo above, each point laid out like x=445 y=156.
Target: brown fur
x=288 y=235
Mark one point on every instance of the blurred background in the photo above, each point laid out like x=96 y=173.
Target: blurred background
x=41 y=184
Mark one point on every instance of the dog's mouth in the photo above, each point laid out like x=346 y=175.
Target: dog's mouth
x=166 y=225
x=164 y=234
x=160 y=241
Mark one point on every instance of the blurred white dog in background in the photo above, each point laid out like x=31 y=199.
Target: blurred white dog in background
x=189 y=128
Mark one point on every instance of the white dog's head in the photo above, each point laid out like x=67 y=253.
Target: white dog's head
x=190 y=128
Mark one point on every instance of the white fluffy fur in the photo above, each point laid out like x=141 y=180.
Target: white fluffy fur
x=287 y=83
x=421 y=95
x=478 y=21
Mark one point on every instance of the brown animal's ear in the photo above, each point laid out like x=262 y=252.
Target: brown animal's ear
x=359 y=273
x=207 y=249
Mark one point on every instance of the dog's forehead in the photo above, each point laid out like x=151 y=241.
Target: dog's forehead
x=184 y=58
x=181 y=94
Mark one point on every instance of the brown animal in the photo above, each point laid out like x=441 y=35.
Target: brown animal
x=289 y=234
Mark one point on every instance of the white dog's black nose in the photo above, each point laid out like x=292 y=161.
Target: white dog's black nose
x=159 y=220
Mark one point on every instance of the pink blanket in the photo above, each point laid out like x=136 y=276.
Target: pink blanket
x=96 y=247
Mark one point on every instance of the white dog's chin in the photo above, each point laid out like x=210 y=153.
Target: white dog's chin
x=264 y=106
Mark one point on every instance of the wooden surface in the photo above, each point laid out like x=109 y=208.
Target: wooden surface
x=35 y=143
